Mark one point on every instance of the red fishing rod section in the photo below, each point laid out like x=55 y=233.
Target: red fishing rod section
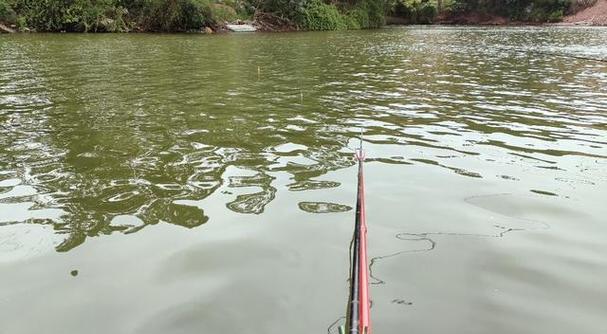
x=358 y=319
x=365 y=303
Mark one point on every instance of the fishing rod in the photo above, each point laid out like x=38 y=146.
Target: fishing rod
x=358 y=316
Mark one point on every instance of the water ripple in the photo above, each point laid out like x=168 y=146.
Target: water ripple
x=104 y=134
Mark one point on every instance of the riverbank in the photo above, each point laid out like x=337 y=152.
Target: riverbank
x=206 y=16
x=595 y=15
x=188 y=15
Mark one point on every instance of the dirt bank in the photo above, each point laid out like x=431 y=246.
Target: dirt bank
x=595 y=15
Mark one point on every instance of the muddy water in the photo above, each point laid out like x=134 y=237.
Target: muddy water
x=187 y=184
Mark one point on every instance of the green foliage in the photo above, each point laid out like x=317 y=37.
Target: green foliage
x=415 y=12
x=21 y=23
x=72 y=15
x=289 y=9
x=186 y=15
x=520 y=10
x=426 y=12
x=326 y=14
x=222 y=13
x=377 y=13
x=243 y=8
x=357 y=18
x=369 y=13
x=113 y=15
x=361 y=14
x=318 y=15
x=555 y=16
x=176 y=15
x=7 y=14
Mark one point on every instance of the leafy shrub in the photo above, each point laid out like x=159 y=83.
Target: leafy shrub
x=7 y=14
x=540 y=10
x=222 y=13
x=176 y=15
x=523 y=10
x=357 y=18
x=186 y=15
x=321 y=16
x=377 y=13
x=415 y=12
x=402 y=9
x=426 y=12
x=21 y=23
x=113 y=20
x=555 y=16
x=72 y=15
x=244 y=8
x=288 y=9
x=101 y=16
x=327 y=15
x=45 y=15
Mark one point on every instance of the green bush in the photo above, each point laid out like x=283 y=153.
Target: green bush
x=363 y=14
x=377 y=13
x=222 y=13
x=288 y=9
x=357 y=18
x=72 y=15
x=187 y=15
x=415 y=12
x=7 y=14
x=243 y=8
x=555 y=16
x=45 y=15
x=523 y=10
x=114 y=20
x=21 y=23
x=402 y=9
x=321 y=16
x=176 y=15
x=426 y=12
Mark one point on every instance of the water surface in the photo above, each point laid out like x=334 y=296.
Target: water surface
x=206 y=183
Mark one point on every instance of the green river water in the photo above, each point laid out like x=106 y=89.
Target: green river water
x=205 y=184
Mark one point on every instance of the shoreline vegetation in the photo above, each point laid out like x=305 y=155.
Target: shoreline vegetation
x=210 y=16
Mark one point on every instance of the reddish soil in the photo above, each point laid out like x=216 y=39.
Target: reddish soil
x=595 y=15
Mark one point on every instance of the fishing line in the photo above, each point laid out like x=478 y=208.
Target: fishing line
x=377 y=258
x=426 y=236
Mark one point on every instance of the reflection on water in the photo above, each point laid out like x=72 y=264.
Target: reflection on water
x=104 y=133
x=125 y=134
x=323 y=207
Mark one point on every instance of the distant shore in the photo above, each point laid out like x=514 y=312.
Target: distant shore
x=593 y=16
